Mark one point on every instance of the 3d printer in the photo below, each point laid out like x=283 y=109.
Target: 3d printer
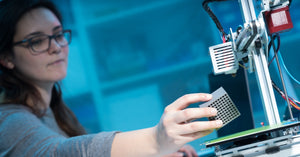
x=250 y=47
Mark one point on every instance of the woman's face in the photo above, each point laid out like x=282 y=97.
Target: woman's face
x=49 y=66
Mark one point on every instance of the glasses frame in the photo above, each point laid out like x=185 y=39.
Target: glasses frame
x=54 y=36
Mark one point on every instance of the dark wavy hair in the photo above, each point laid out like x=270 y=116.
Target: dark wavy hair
x=14 y=86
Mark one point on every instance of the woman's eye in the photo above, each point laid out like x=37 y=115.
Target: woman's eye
x=36 y=42
x=39 y=41
x=59 y=36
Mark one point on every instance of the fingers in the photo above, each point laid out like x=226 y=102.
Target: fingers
x=176 y=154
x=188 y=99
x=172 y=133
x=189 y=151
x=196 y=135
x=198 y=126
x=194 y=113
x=194 y=153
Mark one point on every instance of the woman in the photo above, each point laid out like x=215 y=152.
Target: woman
x=34 y=121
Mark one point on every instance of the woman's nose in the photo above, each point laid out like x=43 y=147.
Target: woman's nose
x=54 y=47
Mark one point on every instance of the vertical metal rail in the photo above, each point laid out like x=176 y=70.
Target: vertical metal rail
x=284 y=87
x=261 y=67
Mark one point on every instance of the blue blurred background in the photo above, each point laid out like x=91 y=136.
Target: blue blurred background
x=129 y=59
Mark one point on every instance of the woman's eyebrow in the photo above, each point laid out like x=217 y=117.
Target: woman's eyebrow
x=33 y=34
x=39 y=33
x=56 y=28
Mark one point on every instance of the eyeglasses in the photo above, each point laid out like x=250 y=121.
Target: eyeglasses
x=42 y=43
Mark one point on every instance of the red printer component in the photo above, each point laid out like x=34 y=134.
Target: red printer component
x=278 y=20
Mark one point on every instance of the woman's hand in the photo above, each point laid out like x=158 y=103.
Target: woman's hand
x=185 y=151
x=174 y=129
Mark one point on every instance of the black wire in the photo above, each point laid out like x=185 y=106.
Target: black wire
x=277 y=88
x=212 y=15
x=276 y=50
x=271 y=43
x=290 y=2
x=273 y=37
x=279 y=91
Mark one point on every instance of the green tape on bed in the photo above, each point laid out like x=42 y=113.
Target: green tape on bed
x=250 y=132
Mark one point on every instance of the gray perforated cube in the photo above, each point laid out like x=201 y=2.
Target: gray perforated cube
x=227 y=110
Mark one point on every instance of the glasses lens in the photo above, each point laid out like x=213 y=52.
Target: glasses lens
x=64 y=38
x=39 y=43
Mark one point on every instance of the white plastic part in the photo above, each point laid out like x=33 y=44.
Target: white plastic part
x=223 y=58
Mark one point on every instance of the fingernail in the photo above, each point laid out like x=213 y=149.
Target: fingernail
x=208 y=96
x=213 y=111
x=219 y=123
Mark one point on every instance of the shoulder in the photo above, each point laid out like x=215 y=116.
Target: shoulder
x=15 y=117
x=14 y=108
x=20 y=127
x=15 y=120
x=8 y=110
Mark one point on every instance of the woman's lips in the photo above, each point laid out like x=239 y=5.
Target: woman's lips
x=57 y=62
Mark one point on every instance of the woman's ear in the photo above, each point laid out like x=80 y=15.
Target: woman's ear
x=6 y=61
